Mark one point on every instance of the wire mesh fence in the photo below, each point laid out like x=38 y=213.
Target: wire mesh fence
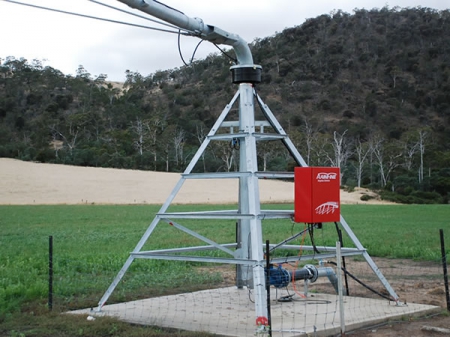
x=202 y=297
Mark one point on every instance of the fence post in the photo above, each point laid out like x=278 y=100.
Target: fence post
x=50 y=272
x=444 y=266
x=339 y=279
x=269 y=317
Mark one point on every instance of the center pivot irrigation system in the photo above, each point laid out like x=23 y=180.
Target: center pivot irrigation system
x=248 y=251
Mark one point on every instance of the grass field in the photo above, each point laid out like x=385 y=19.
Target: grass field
x=91 y=243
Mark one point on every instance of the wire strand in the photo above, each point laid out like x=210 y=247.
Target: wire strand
x=93 y=17
x=137 y=15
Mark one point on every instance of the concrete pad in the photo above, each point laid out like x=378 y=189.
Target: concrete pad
x=231 y=312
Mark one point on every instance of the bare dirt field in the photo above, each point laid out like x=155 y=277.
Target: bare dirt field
x=41 y=183
x=28 y=183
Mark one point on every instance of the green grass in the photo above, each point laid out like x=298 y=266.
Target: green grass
x=91 y=243
x=393 y=231
x=400 y=231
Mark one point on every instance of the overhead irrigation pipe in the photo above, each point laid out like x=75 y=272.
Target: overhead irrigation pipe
x=195 y=25
x=244 y=72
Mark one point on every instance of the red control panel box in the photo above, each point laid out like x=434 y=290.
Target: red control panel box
x=316 y=195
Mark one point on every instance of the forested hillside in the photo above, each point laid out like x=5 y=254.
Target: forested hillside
x=368 y=92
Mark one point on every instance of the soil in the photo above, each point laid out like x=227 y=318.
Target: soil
x=414 y=282
x=415 y=327
x=42 y=183
x=28 y=183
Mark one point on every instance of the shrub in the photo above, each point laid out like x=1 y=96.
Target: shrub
x=432 y=196
x=366 y=197
x=45 y=155
x=349 y=188
x=416 y=197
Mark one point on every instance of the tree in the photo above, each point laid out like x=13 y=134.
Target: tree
x=386 y=156
x=376 y=144
x=310 y=138
x=394 y=72
x=342 y=150
x=178 y=143
x=421 y=145
x=362 y=150
x=113 y=93
x=410 y=147
x=319 y=150
x=266 y=150
x=140 y=130
x=69 y=138
x=83 y=73
x=227 y=154
x=393 y=161
x=201 y=134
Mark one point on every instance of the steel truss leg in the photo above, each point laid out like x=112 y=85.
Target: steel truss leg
x=169 y=200
x=369 y=260
x=294 y=152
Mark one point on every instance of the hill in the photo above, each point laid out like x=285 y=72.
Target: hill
x=367 y=92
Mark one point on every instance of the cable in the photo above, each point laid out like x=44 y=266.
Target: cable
x=313 y=301
x=289 y=239
x=93 y=17
x=339 y=232
x=311 y=235
x=224 y=53
x=179 y=48
x=181 y=54
x=286 y=299
x=250 y=296
x=195 y=50
x=362 y=283
x=296 y=264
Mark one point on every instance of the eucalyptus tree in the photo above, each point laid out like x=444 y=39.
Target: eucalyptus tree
x=362 y=151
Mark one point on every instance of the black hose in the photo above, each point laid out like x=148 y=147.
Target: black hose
x=311 y=236
x=362 y=283
x=339 y=232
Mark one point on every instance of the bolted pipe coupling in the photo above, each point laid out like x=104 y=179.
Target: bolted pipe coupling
x=308 y=272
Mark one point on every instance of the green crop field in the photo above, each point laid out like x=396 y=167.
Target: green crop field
x=91 y=243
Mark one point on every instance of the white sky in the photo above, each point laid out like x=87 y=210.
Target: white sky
x=66 y=42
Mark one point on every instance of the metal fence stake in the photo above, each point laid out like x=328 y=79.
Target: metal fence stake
x=444 y=267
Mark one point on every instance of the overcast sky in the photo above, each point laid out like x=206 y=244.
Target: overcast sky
x=65 y=41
